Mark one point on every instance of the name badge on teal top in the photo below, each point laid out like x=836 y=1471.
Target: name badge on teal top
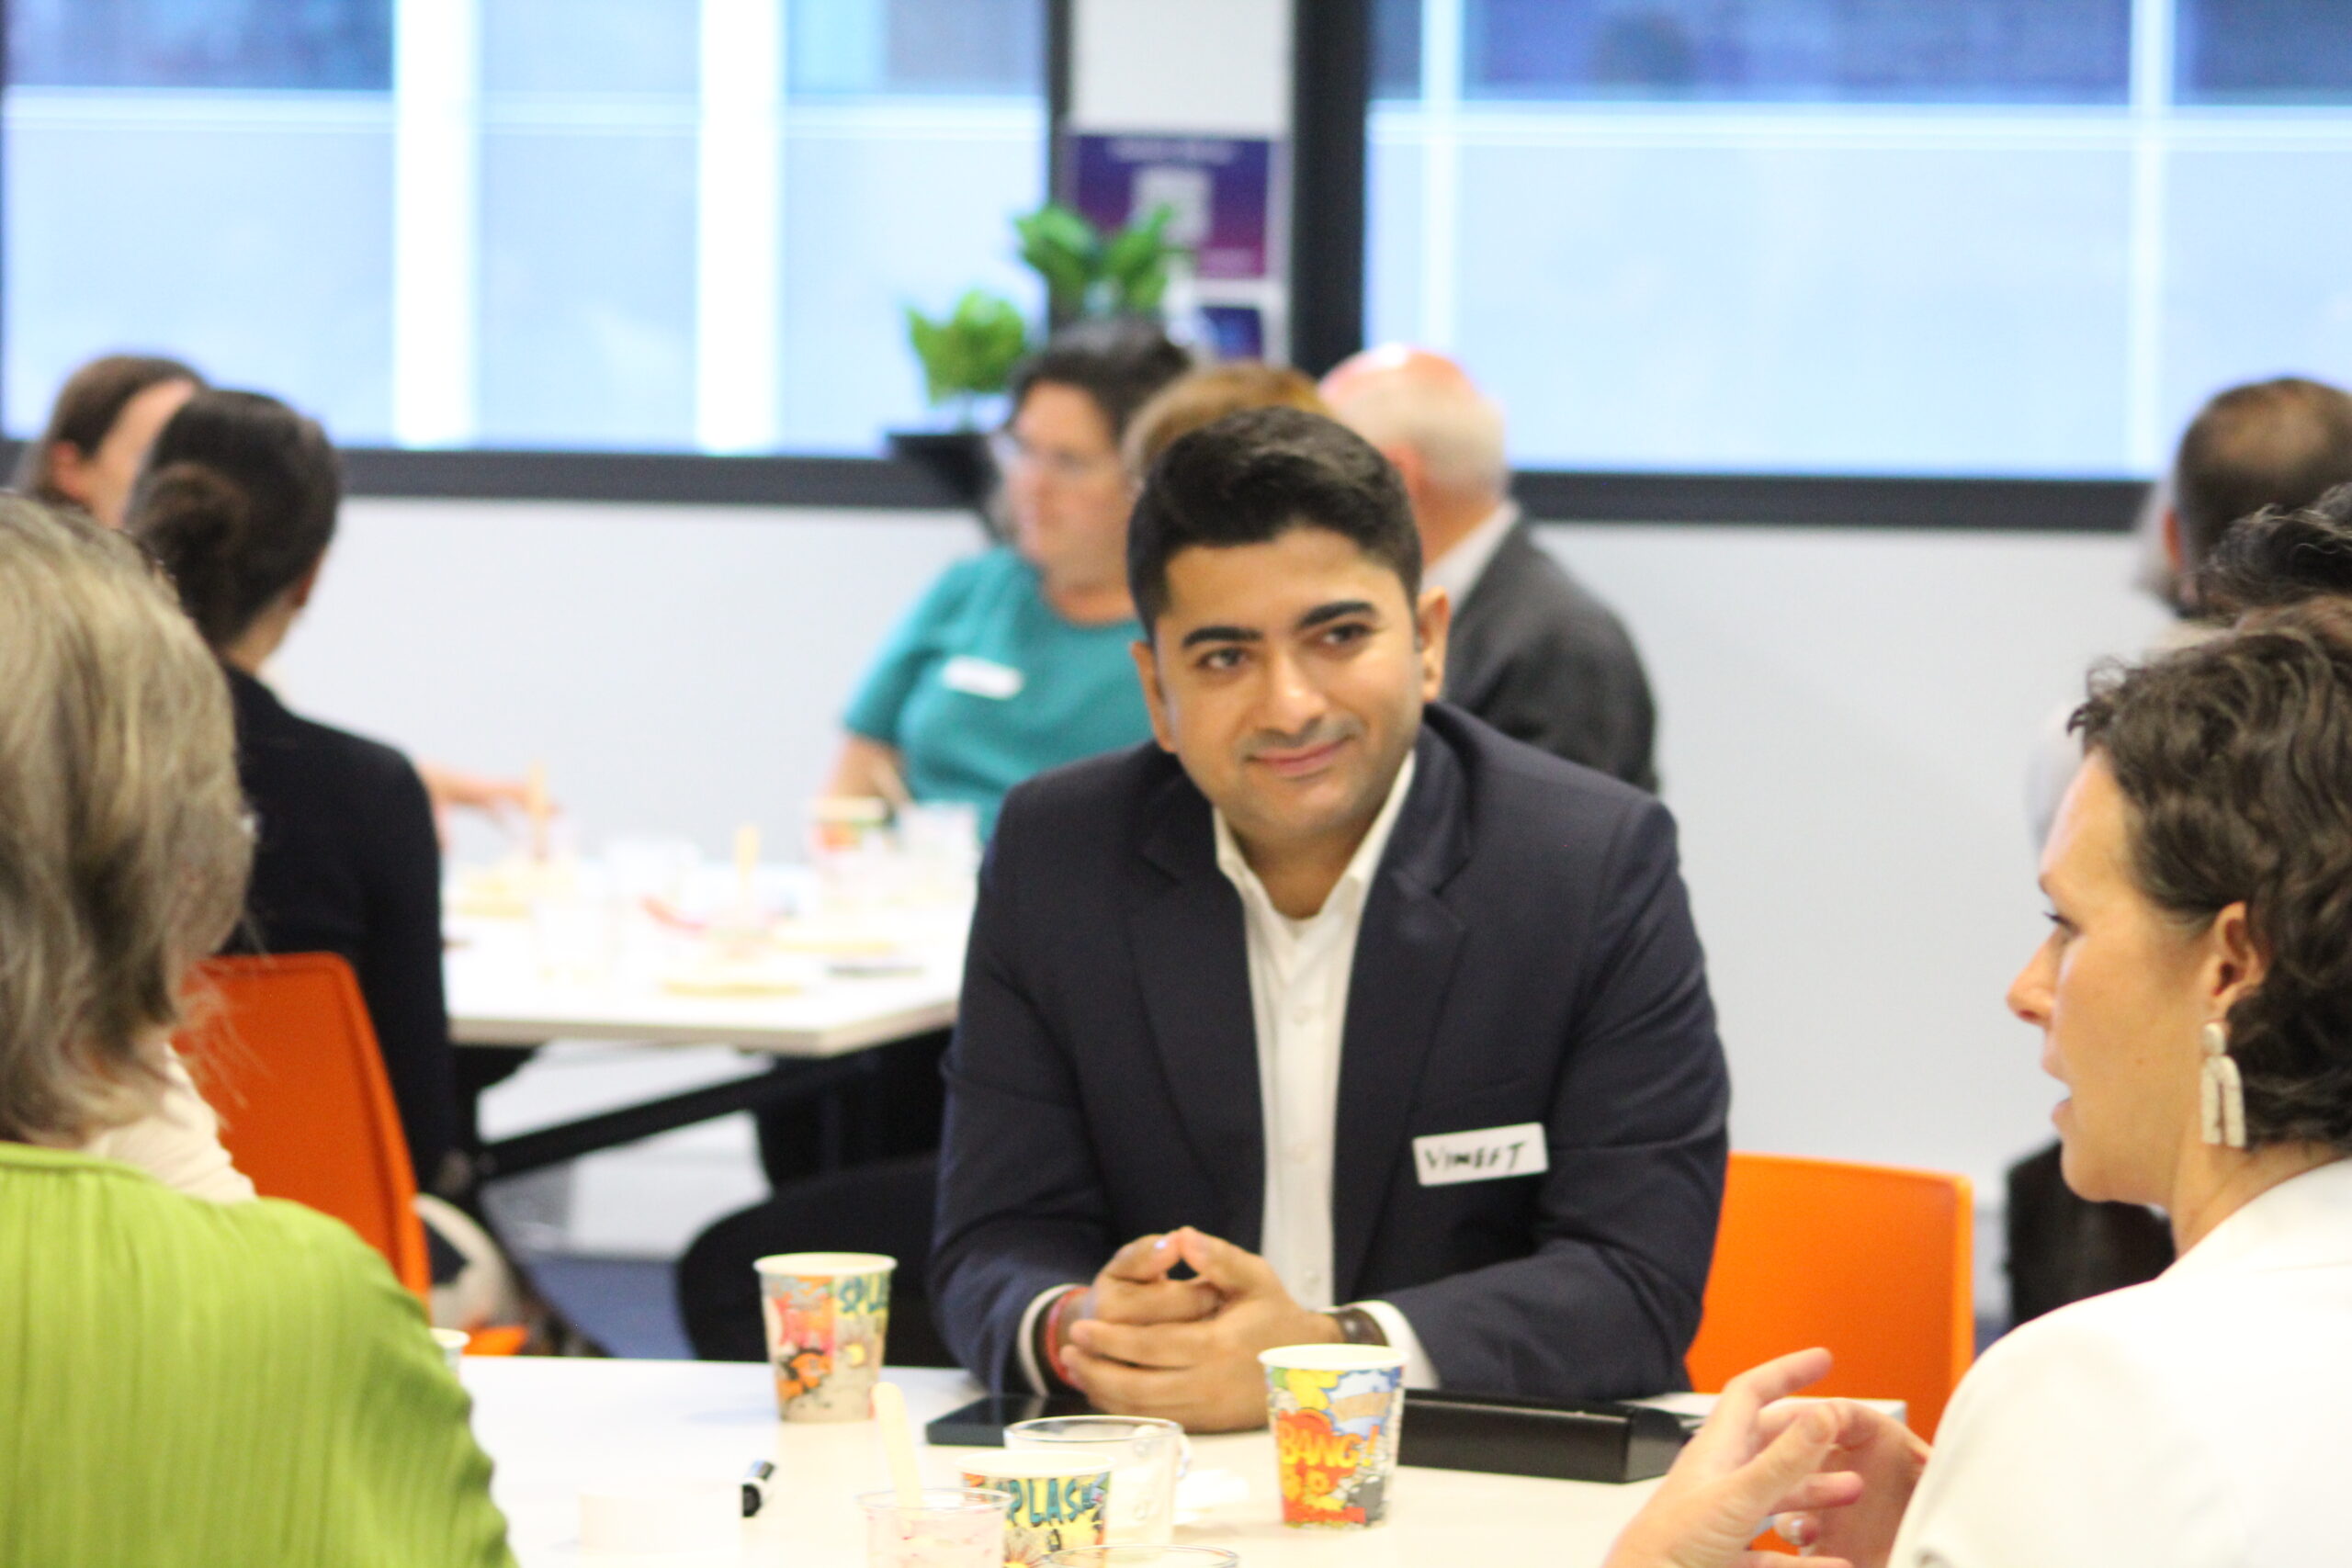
x=981 y=677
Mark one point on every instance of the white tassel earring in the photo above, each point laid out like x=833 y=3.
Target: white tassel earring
x=2220 y=1092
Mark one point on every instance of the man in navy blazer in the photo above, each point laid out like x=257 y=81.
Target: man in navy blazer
x=1336 y=1016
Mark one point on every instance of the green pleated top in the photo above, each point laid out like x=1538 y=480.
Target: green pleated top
x=220 y=1385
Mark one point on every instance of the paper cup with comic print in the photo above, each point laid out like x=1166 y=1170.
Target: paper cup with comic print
x=1335 y=1411
x=1053 y=1501
x=827 y=1314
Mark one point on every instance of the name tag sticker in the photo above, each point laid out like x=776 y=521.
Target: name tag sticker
x=1444 y=1159
x=981 y=677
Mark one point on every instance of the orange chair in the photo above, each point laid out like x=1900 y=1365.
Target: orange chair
x=1873 y=1261
x=286 y=1052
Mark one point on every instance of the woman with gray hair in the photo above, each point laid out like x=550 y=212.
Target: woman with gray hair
x=2195 y=999
x=183 y=1382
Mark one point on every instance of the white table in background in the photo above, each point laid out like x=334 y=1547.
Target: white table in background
x=500 y=994
x=555 y=1427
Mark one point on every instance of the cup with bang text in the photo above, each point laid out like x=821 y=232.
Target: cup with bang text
x=1336 y=1411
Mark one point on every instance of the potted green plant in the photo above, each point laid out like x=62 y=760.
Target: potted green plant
x=967 y=355
x=1088 y=273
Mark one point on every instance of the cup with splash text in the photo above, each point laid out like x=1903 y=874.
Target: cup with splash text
x=827 y=1314
x=1336 y=1411
x=1053 y=1501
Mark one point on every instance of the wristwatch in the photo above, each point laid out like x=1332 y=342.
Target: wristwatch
x=1358 y=1326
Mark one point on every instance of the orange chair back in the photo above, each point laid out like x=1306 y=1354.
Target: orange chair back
x=1873 y=1261
x=287 y=1055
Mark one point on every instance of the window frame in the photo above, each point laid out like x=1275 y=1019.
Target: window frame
x=1331 y=107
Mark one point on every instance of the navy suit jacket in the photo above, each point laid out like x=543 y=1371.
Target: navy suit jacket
x=1526 y=955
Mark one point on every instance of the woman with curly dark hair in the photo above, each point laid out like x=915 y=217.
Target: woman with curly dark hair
x=2195 y=997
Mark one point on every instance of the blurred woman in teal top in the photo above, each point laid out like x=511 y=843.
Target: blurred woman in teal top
x=1016 y=660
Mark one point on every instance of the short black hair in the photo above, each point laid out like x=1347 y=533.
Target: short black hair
x=2279 y=442
x=1117 y=361
x=1251 y=478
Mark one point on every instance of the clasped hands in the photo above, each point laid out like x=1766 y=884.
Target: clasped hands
x=1142 y=1342
x=1835 y=1475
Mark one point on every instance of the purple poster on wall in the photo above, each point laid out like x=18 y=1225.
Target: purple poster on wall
x=1219 y=189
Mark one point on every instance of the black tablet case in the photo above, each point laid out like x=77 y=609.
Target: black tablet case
x=1503 y=1436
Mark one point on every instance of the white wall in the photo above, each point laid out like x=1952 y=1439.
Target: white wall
x=1844 y=719
x=1209 y=67
x=678 y=668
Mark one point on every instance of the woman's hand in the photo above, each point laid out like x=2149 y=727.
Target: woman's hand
x=1742 y=1467
x=1887 y=1456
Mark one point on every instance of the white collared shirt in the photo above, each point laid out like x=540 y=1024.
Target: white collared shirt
x=1299 y=975
x=1458 y=570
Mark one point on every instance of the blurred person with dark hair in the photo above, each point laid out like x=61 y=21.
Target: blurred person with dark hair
x=1534 y=651
x=2282 y=443
x=2281 y=557
x=106 y=416
x=104 y=421
x=1016 y=660
x=1387 y=1027
x=238 y=502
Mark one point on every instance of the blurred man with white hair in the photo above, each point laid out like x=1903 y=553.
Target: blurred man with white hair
x=1532 y=651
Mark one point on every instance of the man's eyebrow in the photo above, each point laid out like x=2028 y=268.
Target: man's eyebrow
x=1199 y=635
x=1340 y=609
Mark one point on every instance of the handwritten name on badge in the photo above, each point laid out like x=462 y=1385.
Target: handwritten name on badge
x=981 y=677
x=1445 y=1158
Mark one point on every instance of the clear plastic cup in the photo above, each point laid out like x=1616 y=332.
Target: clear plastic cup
x=1144 y=1455
x=949 y=1528
x=1054 y=1501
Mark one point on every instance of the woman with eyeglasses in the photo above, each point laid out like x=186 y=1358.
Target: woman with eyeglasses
x=1016 y=660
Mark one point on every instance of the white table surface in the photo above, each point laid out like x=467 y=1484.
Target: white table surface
x=499 y=996
x=556 y=1426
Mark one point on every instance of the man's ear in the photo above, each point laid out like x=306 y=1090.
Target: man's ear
x=1155 y=698
x=2168 y=532
x=1433 y=621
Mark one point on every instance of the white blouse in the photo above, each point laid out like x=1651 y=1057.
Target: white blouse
x=178 y=1143
x=2202 y=1419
